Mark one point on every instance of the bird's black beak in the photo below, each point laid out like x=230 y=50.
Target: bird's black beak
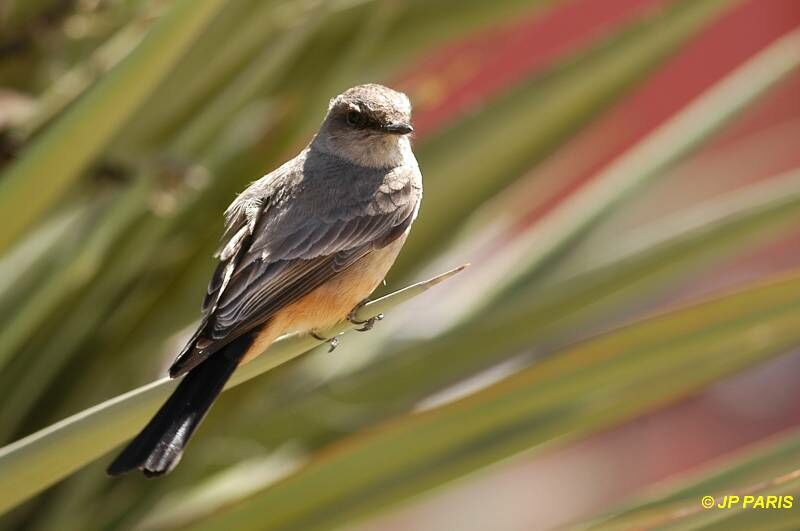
x=398 y=128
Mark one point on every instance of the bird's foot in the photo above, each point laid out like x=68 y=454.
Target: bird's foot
x=365 y=325
x=333 y=342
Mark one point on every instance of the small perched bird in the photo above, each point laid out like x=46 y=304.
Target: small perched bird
x=303 y=248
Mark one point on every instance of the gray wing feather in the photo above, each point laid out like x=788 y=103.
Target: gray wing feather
x=278 y=249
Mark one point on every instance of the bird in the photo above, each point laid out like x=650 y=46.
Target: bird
x=303 y=248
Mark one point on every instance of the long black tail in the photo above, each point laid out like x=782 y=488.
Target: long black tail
x=159 y=446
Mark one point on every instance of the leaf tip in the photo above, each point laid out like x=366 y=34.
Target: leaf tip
x=438 y=279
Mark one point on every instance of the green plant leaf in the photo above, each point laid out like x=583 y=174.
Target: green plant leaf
x=55 y=160
x=73 y=83
x=72 y=276
x=39 y=460
x=588 y=387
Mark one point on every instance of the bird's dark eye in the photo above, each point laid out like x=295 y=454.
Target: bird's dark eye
x=355 y=118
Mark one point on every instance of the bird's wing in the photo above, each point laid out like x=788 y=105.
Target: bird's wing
x=286 y=250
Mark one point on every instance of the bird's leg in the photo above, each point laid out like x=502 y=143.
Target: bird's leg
x=333 y=342
x=366 y=325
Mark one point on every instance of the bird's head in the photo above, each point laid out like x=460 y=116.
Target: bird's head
x=368 y=125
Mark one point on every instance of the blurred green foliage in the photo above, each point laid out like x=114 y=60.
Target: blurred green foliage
x=146 y=117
